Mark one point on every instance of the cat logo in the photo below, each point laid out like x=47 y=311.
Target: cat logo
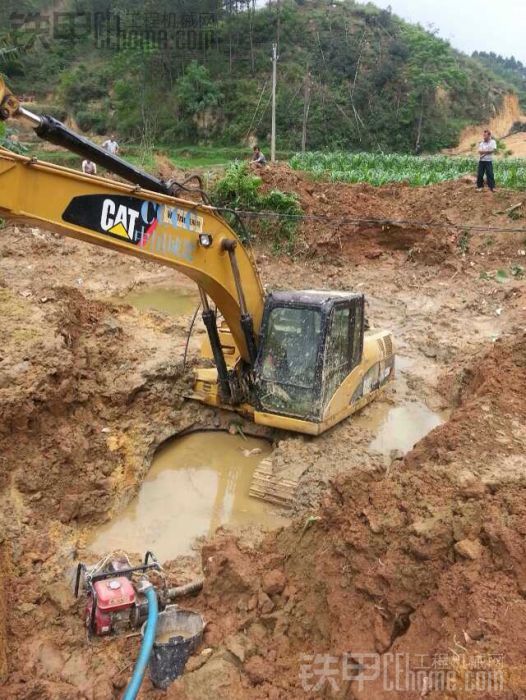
x=130 y=219
x=118 y=220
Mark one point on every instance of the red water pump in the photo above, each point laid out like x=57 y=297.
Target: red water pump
x=114 y=601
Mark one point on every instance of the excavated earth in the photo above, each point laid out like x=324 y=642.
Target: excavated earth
x=419 y=555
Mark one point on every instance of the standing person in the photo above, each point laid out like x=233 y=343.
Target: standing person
x=257 y=157
x=487 y=148
x=111 y=146
x=88 y=167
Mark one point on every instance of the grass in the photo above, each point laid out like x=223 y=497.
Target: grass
x=373 y=168
x=58 y=157
x=381 y=169
x=203 y=156
x=183 y=157
x=188 y=157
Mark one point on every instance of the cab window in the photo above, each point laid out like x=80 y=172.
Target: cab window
x=288 y=362
x=337 y=353
x=291 y=346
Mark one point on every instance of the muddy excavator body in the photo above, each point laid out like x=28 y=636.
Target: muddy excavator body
x=298 y=361
x=316 y=364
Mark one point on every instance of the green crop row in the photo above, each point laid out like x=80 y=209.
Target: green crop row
x=381 y=169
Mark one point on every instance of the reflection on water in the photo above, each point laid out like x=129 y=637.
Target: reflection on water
x=196 y=484
x=403 y=427
x=174 y=302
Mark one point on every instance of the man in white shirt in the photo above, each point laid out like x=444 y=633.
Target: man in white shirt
x=111 y=146
x=89 y=168
x=487 y=148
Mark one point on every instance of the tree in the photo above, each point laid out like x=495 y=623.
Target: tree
x=198 y=97
x=431 y=65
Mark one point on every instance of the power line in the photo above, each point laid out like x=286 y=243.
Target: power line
x=377 y=222
x=257 y=108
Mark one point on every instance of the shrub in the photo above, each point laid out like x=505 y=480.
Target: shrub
x=81 y=84
x=93 y=121
x=240 y=189
x=6 y=142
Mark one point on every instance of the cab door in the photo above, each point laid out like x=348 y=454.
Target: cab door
x=344 y=345
x=288 y=368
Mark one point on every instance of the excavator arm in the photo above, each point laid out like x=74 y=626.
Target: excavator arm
x=153 y=225
x=313 y=363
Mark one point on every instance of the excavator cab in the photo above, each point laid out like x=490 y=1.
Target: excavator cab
x=309 y=343
x=311 y=347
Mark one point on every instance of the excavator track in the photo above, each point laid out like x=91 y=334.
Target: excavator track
x=270 y=487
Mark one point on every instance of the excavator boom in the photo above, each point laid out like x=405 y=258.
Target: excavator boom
x=189 y=237
x=299 y=361
x=145 y=220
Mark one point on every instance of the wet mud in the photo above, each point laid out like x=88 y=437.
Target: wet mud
x=409 y=524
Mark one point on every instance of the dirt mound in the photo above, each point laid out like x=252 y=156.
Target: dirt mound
x=426 y=562
x=500 y=125
x=167 y=170
x=77 y=379
x=516 y=143
x=58 y=399
x=448 y=205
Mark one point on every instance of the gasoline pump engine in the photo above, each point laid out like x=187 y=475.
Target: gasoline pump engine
x=115 y=601
x=114 y=590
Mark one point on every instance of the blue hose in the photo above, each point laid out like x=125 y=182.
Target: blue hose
x=133 y=687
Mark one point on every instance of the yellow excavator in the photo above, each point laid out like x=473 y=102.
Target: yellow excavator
x=298 y=360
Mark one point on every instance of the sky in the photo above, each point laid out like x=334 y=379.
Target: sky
x=470 y=25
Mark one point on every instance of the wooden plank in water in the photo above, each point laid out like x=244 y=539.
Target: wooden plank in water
x=271 y=488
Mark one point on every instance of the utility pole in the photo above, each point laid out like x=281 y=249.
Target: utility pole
x=274 y=79
x=306 y=107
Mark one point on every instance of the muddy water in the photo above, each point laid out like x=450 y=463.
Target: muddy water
x=196 y=483
x=164 y=637
x=401 y=426
x=173 y=302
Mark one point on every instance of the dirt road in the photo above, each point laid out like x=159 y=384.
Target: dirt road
x=413 y=554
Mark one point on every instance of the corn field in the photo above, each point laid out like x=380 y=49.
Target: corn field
x=381 y=169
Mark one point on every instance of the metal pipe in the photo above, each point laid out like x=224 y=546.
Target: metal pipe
x=33 y=119
x=209 y=320
x=204 y=298
x=52 y=130
x=186 y=589
x=55 y=132
x=230 y=247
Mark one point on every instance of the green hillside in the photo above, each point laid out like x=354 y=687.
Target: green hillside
x=194 y=73
x=509 y=69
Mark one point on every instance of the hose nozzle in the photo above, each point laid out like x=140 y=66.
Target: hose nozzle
x=143 y=585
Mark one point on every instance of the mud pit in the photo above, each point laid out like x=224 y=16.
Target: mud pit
x=196 y=484
x=421 y=554
x=173 y=302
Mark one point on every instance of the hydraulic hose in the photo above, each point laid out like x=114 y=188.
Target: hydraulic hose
x=133 y=687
